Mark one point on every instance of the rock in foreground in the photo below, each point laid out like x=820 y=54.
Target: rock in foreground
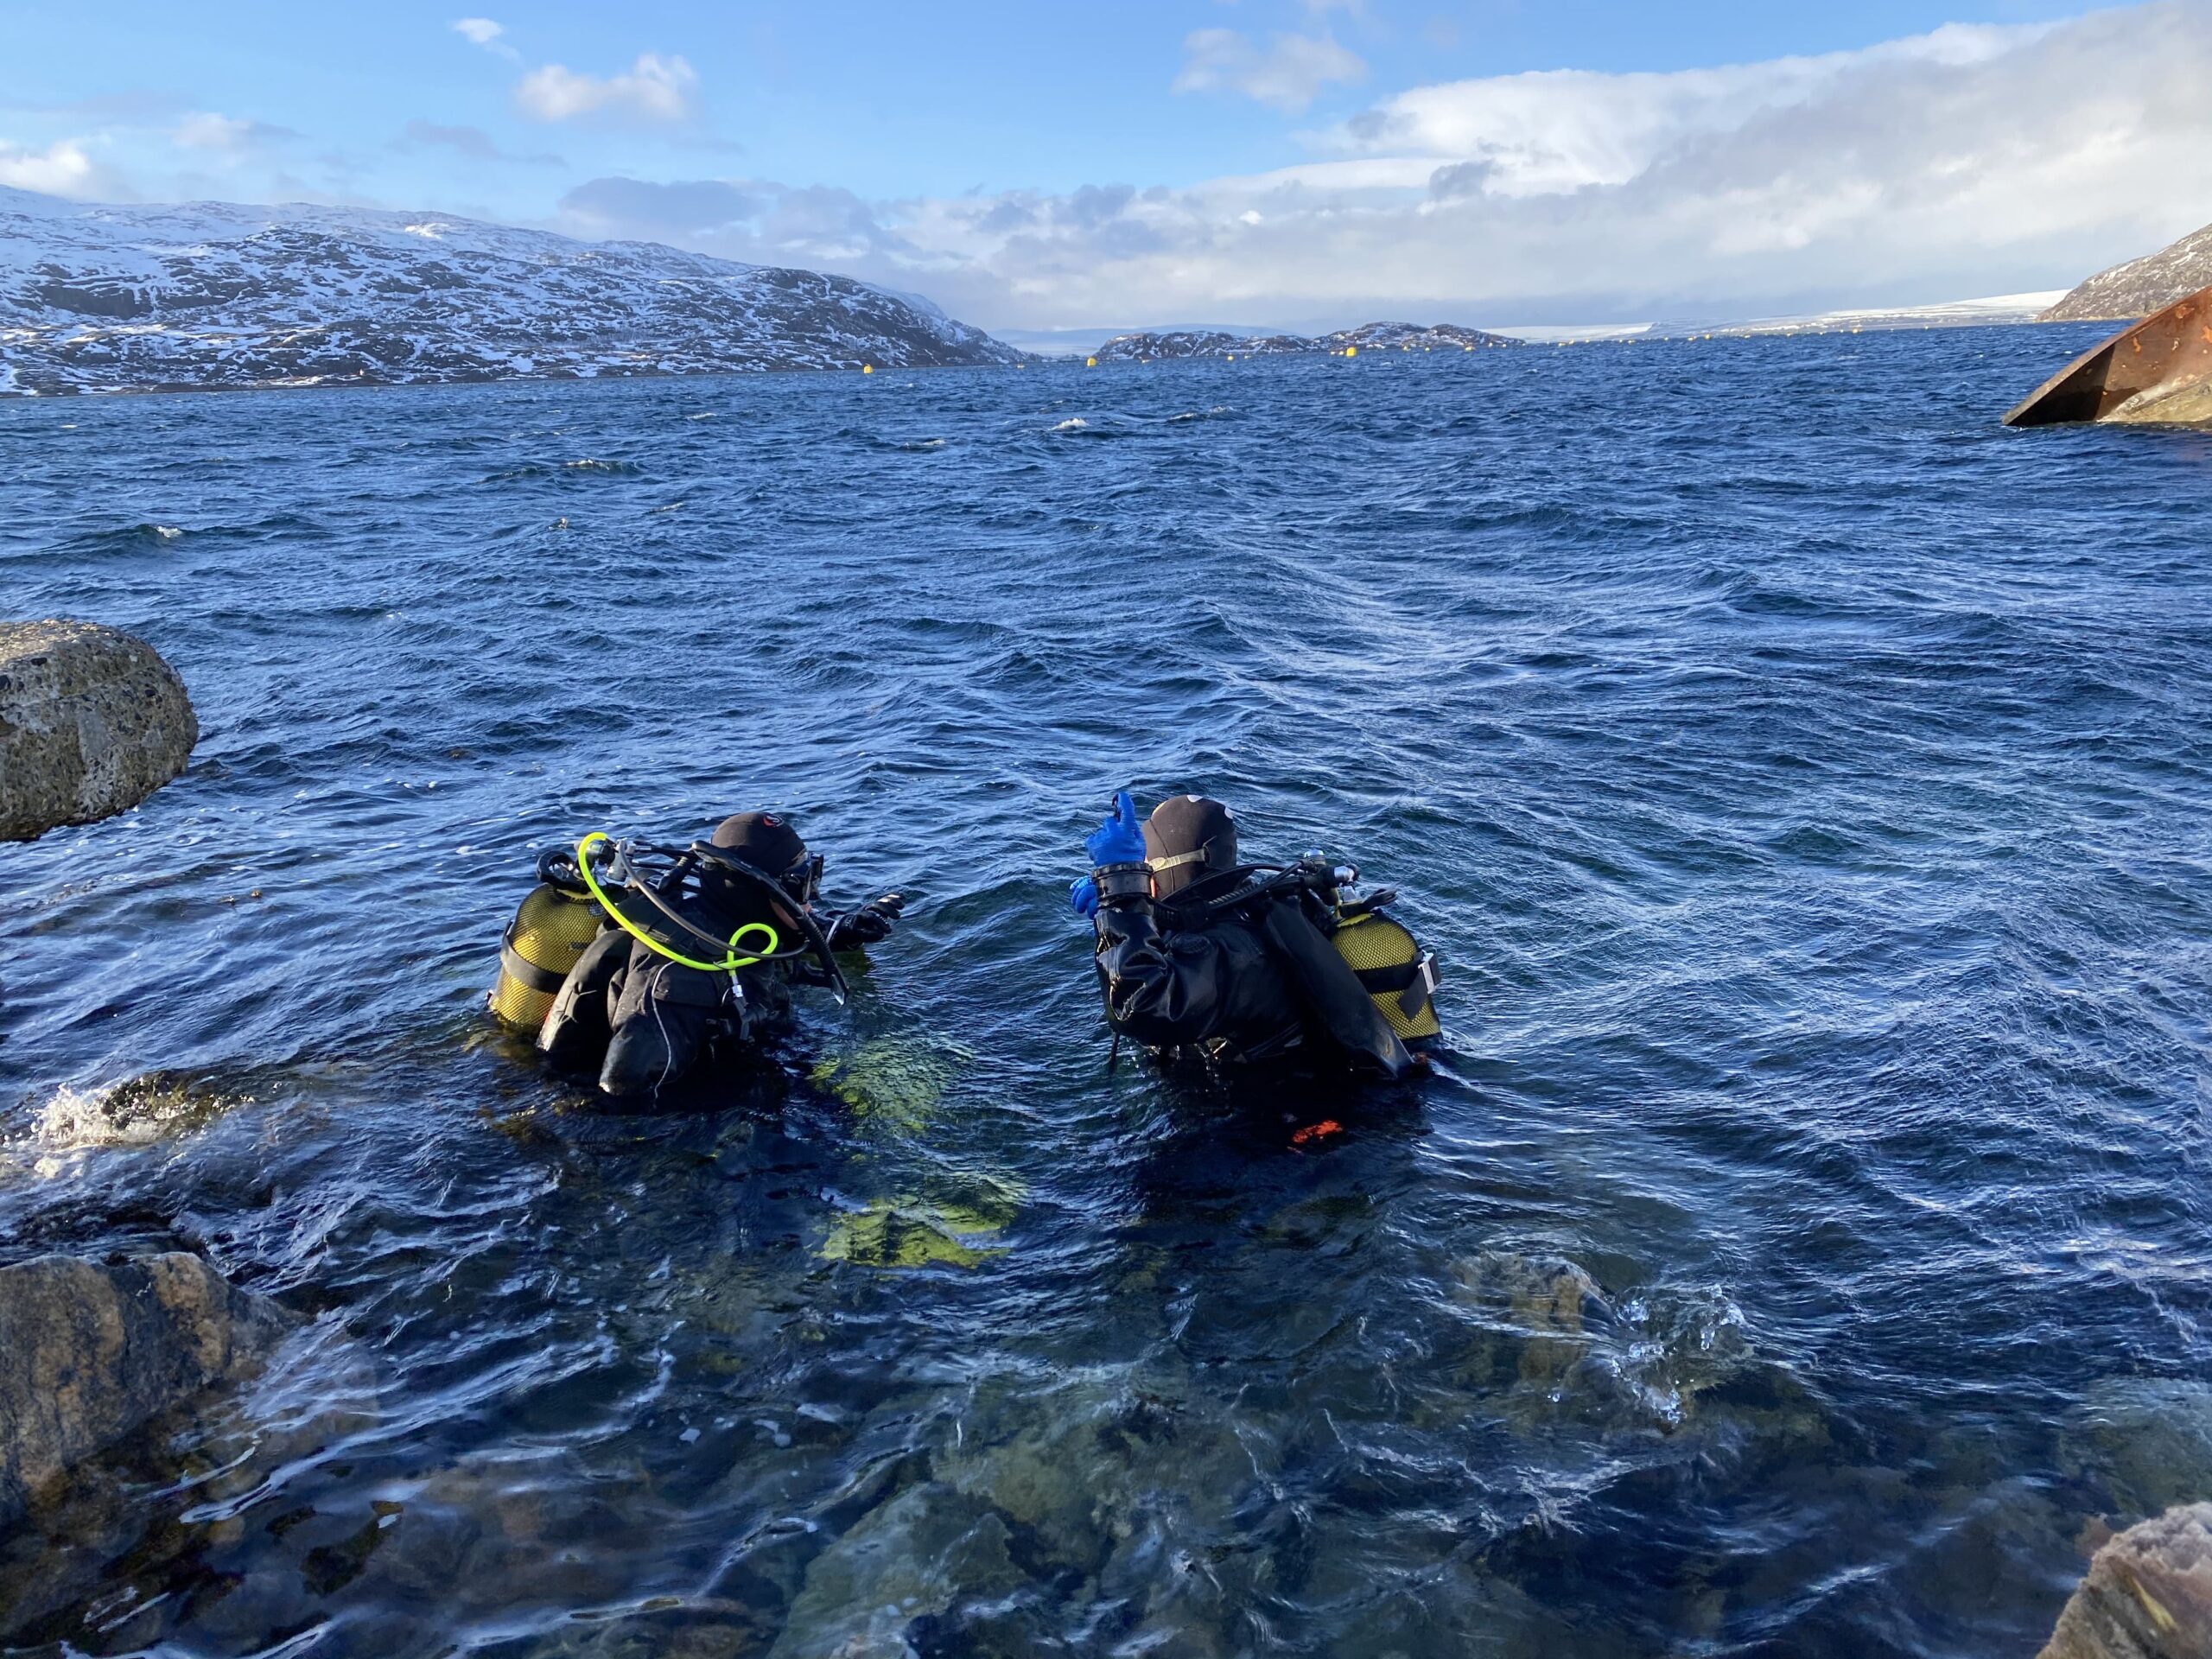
x=89 y=1353
x=1369 y=337
x=2148 y=1594
x=214 y=296
x=91 y=721
x=2141 y=286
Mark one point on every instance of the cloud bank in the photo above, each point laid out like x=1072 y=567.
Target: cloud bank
x=1972 y=160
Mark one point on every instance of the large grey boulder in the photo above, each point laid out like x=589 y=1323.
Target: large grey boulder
x=2148 y=1594
x=91 y=721
x=88 y=1353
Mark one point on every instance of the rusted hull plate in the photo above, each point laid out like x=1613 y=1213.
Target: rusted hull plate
x=2159 y=370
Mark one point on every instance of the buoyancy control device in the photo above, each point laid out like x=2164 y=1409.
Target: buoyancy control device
x=555 y=923
x=1391 y=969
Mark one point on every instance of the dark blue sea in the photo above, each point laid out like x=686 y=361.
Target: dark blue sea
x=1800 y=1247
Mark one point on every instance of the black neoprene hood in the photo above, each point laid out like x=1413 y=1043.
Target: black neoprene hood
x=1182 y=825
x=763 y=840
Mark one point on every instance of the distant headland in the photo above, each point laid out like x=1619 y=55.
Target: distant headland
x=1369 y=337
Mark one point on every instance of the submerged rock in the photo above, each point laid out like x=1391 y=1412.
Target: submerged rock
x=906 y=1562
x=1540 y=1307
x=896 y=1083
x=909 y=1233
x=2146 y=1442
x=91 y=721
x=2148 y=1594
x=88 y=1353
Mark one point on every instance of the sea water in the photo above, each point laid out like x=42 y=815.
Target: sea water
x=1799 y=1245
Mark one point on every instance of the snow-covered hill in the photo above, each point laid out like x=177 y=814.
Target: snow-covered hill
x=2141 y=286
x=125 y=299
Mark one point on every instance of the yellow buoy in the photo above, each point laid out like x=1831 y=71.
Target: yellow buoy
x=1089 y=362
x=867 y=368
x=1351 y=351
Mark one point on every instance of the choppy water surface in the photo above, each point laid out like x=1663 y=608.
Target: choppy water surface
x=1802 y=1242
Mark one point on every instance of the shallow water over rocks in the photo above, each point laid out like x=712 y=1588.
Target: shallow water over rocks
x=1803 y=1237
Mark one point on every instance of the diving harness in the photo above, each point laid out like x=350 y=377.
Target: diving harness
x=634 y=885
x=1398 y=975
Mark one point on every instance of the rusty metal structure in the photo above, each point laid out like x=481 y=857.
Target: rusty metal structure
x=2158 y=371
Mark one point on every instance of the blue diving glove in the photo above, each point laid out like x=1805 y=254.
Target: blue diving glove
x=1119 y=840
x=1083 y=896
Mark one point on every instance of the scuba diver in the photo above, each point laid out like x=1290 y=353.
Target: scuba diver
x=1202 y=957
x=649 y=964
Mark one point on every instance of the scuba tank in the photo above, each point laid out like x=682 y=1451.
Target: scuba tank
x=1390 y=965
x=553 y=923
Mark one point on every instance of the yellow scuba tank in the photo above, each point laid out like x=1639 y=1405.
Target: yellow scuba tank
x=1392 y=969
x=556 y=921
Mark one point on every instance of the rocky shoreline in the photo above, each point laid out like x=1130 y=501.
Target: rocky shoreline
x=1369 y=337
x=2140 y=286
x=94 y=1352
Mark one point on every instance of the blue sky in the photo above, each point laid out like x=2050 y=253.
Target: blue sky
x=1040 y=165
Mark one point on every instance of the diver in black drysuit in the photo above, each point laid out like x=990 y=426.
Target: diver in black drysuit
x=1200 y=958
x=646 y=1023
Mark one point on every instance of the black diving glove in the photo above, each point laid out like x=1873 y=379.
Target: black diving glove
x=867 y=924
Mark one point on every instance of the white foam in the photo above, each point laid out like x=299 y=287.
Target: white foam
x=74 y=1120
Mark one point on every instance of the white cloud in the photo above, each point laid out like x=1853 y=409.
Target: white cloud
x=1541 y=133
x=225 y=135
x=1288 y=73
x=656 y=88
x=206 y=130
x=1969 y=161
x=482 y=31
x=62 y=169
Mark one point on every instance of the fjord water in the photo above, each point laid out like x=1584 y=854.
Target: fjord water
x=1801 y=1244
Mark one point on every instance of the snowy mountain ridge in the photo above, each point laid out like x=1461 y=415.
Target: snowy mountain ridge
x=211 y=295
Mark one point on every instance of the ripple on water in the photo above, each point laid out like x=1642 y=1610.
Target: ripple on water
x=1800 y=1240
